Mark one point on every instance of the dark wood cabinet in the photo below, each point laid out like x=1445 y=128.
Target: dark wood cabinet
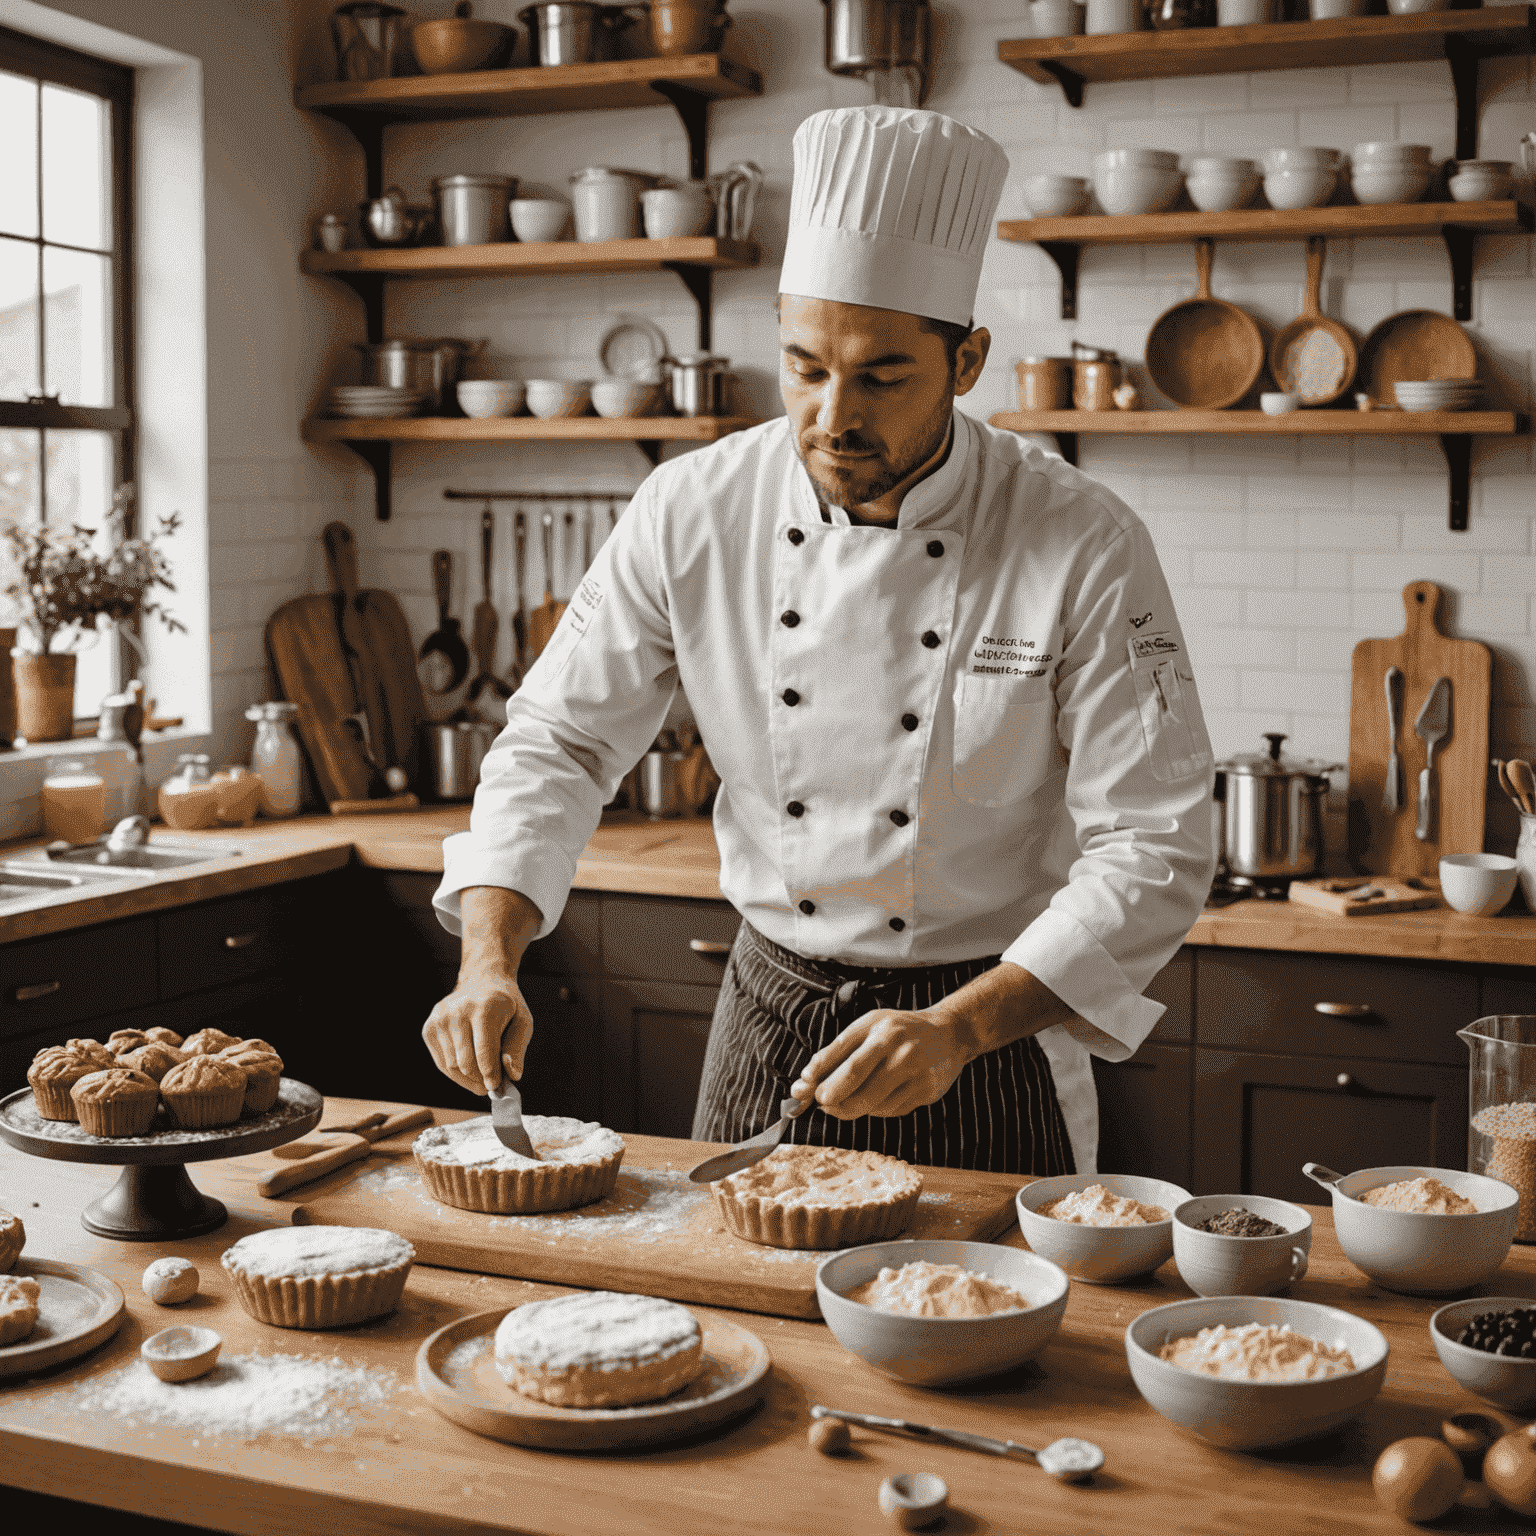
x=656 y=1032
x=1144 y=1113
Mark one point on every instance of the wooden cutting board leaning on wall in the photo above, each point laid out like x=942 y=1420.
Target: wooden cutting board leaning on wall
x=1382 y=842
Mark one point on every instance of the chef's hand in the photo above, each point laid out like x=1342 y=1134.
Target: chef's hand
x=885 y=1063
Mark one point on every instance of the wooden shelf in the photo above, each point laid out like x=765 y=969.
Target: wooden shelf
x=525 y=429
x=514 y=259
x=527 y=92
x=1455 y=430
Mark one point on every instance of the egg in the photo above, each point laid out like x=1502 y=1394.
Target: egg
x=1418 y=1478
x=1509 y=1469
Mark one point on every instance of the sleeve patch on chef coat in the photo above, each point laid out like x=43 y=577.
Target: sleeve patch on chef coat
x=1163 y=707
x=574 y=623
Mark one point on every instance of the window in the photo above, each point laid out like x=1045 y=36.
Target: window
x=66 y=401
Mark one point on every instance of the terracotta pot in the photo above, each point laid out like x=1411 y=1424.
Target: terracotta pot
x=7 y=689
x=679 y=28
x=45 y=697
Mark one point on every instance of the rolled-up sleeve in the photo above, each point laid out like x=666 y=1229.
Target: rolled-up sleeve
x=1138 y=793
x=588 y=708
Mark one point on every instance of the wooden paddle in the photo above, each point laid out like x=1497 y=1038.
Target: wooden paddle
x=1313 y=355
x=544 y=618
x=1204 y=353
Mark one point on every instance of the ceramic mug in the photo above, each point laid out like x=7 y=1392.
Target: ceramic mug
x=1212 y=1264
x=1106 y=16
x=1244 y=13
x=686 y=26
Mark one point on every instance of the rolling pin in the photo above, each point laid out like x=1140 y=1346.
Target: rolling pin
x=312 y=1157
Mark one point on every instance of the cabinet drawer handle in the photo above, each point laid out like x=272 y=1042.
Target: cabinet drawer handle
x=36 y=990
x=1344 y=1080
x=240 y=940
x=708 y=947
x=1343 y=1010
x=564 y=994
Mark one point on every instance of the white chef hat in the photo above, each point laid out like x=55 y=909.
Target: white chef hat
x=891 y=208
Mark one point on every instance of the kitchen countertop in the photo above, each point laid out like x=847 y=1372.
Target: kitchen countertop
x=631 y=855
x=405 y=1467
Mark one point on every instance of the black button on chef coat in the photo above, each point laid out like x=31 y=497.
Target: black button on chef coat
x=900 y=818
x=897 y=924
x=930 y=639
x=796 y=536
x=807 y=907
x=789 y=619
x=795 y=808
x=935 y=548
x=909 y=722
x=790 y=697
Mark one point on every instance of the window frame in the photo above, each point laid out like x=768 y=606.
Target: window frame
x=34 y=58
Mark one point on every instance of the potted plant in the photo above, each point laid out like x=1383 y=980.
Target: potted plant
x=65 y=586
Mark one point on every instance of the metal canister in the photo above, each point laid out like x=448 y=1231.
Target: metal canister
x=1045 y=383
x=1096 y=375
x=472 y=210
x=564 y=33
x=458 y=747
x=699 y=384
x=661 y=784
x=1272 y=817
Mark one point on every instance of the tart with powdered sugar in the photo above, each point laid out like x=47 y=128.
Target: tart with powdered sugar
x=13 y=1238
x=819 y=1197
x=599 y=1349
x=464 y=1165
x=19 y=1298
x=319 y=1277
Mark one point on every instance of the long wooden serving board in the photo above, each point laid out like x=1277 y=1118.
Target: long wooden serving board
x=657 y=1234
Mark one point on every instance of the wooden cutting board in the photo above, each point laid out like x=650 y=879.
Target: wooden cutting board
x=657 y=1235
x=1361 y=895
x=1382 y=842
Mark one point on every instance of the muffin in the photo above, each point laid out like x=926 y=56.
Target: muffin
x=94 y=1049
x=55 y=1070
x=208 y=1042
x=153 y=1059
x=13 y=1238
x=121 y=1041
x=263 y=1075
x=319 y=1277
x=249 y=1045
x=115 y=1102
x=163 y=1036
x=466 y=1166
x=203 y=1091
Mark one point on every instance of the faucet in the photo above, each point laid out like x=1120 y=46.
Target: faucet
x=130 y=832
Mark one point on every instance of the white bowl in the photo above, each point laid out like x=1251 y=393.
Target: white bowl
x=1377 y=150
x=1250 y=1415
x=537 y=220
x=624 y=397
x=1056 y=18
x=1136 y=188
x=933 y=1350
x=1304 y=187
x=1218 y=184
x=1055 y=197
x=1333 y=10
x=1290 y=157
x=181 y=1353
x=1506 y=1381
x=558 y=397
x=1478 y=884
x=1099 y=1255
x=1113 y=159
x=1279 y=402
x=670 y=213
x=1404 y=182
x=1414 y=7
x=1416 y=1252
x=1479 y=186
x=482 y=398
x=1213 y=1264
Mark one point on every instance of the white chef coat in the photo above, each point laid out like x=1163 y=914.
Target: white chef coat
x=975 y=733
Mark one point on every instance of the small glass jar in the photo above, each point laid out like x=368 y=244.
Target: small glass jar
x=275 y=758
x=1501 y=1107
x=74 y=800
x=189 y=800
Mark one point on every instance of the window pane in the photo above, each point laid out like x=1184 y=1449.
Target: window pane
x=20 y=485
x=77 y=168
x=18 y=319
x=18 y=164
x=80 y=470
x=77 y=342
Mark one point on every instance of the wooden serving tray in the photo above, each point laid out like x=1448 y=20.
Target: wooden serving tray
x=657 y=1234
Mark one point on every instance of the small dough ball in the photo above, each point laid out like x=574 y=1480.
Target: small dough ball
x=13 y=1238
x=1418 y=1478
x=168 y=1282
x=1470 y=1434
x=829 y=1436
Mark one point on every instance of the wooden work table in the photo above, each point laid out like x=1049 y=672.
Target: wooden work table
x=631 y=855
x=406 y=1468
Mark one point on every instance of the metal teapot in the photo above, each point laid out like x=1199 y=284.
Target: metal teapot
x=392 y=220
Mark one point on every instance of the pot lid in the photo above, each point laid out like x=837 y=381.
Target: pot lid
x=700 y=360
x=1270 y=764
x=472 y=179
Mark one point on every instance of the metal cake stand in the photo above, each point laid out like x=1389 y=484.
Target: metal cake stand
x=154 y=1199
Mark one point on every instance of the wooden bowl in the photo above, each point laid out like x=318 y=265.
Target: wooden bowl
x=1416 y=344
x=458 y=44
x=1205 y=354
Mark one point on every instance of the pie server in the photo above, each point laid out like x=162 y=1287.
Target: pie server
x=743 y=1155
x=507 y=1118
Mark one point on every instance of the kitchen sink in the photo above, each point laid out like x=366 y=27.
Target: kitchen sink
x=133 y=859
x=27 y=884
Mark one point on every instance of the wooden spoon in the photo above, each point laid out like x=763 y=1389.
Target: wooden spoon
x=1313 y=355
x=1523 y=781
x=520 y=618
x=544 y=618
x=485 y=622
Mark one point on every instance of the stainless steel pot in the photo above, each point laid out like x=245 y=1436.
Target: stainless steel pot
x=699 y=384
x=458 y=746
x=1272 y=817
x=563 y=33
x=434 y=365
x=661 y=785
x=472 y=210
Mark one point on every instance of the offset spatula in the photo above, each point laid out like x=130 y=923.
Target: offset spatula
x=1433 y=725
x=1392 y=791
x=507 y=1116
x=745 y=1153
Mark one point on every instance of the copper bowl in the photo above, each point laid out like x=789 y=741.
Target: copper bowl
x=458 y=44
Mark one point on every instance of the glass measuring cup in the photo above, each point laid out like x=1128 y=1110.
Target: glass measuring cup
x=1501 y=1107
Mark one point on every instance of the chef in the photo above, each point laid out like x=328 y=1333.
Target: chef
x=965 y=777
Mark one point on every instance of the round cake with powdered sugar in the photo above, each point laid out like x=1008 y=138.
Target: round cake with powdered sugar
x=319 y=1277
x=464 y=1165
x=599 y=1349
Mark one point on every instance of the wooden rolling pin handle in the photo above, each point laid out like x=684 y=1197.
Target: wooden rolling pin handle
x=371 y=807
x=322 y=1163
x=1343 y=1010
x=708 y=947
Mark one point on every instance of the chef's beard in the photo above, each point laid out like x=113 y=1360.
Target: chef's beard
x=851 y=489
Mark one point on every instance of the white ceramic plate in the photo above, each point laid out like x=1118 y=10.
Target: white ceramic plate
x=633 y=349
x=456 y=1373
x=77 y=1310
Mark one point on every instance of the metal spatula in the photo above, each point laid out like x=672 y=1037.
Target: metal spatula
x=1433 y=724
x=745 y=1153
x=507 y=1117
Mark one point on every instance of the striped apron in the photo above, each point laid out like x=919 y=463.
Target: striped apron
x=777 y=1009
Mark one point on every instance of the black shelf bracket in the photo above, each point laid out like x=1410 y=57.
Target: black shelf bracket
x=699 y=281
x=1460 y=245
x=693 y=109
x=1066 y=254
x=1464 y=61
x=1070 y=81
x=369 y=287
x=1457 y=448
x=376 y=455
x=1067 y=443
x=651 y=448
x=368 y=130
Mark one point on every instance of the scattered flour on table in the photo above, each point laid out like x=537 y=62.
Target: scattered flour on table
x=646 y=1205
x=244 y=1395
x=390 y=1177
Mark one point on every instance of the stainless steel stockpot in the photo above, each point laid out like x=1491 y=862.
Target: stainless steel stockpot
x=472 y=210
x=433 y=365
x=1272 y=817
x=458 y=746
x=698 y=383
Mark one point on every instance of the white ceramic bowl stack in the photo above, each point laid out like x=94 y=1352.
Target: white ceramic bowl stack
x=1437 y=394
x=1137 y=180
x=483 y=398
x=1299 y=176
x=1482 y=181
x=370 y=402
x=1220 y=183
x=1249 y=1415
x=1388 y=172
x=1100 y=1255
x=624 y=397
x=1055 y=197
x=558 y=397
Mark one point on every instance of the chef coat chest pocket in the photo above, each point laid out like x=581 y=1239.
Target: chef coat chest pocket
x=1164 y=709
x=1005 y=739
